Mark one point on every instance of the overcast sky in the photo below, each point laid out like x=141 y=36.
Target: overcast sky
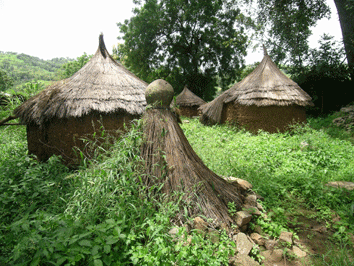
x=68 y=28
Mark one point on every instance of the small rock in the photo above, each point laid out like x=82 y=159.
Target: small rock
x=251 y=200
x=173 y=232
x=258 y=239
x=185 y=121
x=188 y=241
x=225 y=227
x=304 y=144
x=270 y=244
x=286 y=237
x=260 y=207
x=245 y=185
x=252 y=210
x=243 y=245
x=298 y=252
x=242 y=218
x=258 y=229
x=242 y=260
x=320 y=228
x=199 y=224
x=272 y=256
x=341 y=184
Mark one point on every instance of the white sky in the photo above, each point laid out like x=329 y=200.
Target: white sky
x=68 y=28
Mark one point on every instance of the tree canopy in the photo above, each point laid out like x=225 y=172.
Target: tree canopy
x=186 y=42
x=289 y=23
x=70 y=68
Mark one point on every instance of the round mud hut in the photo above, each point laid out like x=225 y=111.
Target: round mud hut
x=188 y=103
x=101 y=96
x=265 y=100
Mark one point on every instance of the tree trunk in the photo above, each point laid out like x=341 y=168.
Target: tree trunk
x=346 y=19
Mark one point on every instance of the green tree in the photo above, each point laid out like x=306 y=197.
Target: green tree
x=6 y=81
x=70 y=68
x=326 y=68
x=290 y=23
x=186 y=42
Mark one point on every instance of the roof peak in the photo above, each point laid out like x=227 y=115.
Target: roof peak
x=102 y=46
x=264 y=50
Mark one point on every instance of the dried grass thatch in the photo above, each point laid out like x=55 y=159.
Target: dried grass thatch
x=102 y=85
x=188 y=99
x=169 y=159
x=265 y=86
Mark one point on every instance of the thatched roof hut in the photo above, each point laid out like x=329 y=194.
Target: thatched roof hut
x=188 y=103
x=266 y=99
x=170 y=160
x=102 y=94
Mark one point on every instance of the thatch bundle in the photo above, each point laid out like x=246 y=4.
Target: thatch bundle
x=171 y=161
x=102 y=91
x=266 y=97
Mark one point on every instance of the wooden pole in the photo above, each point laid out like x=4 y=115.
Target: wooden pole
x=11 y=117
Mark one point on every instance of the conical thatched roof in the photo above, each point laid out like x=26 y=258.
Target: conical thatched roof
x=188 y=98
x=102 y=85
x=266 y=85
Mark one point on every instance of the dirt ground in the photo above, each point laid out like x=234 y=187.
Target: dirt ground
x=314 y=238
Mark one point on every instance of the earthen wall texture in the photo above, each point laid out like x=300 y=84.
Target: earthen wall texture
x=189 y=111
x=269 y=118
x=65 y=136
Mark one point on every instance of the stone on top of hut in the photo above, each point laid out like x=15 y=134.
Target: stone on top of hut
x=188 y=103
x=266 y=99
x=101 y=95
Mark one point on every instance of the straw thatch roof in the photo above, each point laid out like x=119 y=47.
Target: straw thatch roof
x=188 y=98
x=266 y=85
x=102 y=85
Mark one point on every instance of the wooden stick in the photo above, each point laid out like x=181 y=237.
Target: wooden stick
x=12 y=124
x=11 y=117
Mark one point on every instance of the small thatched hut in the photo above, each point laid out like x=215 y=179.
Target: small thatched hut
x=266 y=99
x=101 y=95
x=188 y=103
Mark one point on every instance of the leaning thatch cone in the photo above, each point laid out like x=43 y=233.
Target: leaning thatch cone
x=169 y=159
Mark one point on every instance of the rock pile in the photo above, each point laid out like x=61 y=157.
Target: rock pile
x=251 y=245
x=346 y=118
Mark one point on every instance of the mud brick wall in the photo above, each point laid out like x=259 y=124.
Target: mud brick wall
x=270 y=118
x=61 y=136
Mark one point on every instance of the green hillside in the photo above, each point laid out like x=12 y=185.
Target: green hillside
x=24 y=68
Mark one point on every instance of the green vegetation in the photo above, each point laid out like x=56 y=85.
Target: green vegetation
x=97 y=215
x=22 y=68
x=186 y=43
x=288 y=169
x=70 y=68
x=101 y=214
x=6 y=82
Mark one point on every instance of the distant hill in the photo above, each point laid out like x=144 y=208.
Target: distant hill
x=24 y=68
